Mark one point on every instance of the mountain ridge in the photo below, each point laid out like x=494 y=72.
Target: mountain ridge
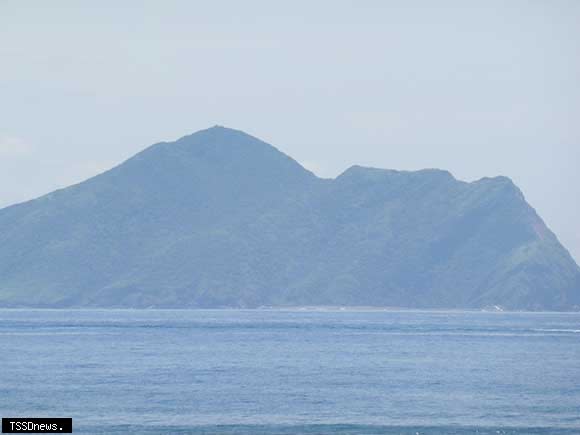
x=220 y=218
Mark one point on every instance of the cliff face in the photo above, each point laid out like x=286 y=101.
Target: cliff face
x=220 y=218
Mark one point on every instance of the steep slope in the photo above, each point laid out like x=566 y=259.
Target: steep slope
x=148 y=224
x=220 y=218
x=424 y=239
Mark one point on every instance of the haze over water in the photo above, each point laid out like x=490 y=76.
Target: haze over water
x=293 y=371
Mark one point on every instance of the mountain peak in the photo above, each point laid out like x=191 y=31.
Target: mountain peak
x=219 y=133
x=214 y=156
x=217 y=142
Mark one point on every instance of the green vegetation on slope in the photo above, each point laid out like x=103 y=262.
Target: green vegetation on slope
x=220 y=218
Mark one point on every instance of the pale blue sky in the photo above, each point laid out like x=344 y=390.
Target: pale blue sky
x=478 y=88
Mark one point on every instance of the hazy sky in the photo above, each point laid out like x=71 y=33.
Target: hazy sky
x=480 y=88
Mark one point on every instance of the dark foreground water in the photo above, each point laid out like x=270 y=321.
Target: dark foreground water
x=293 y=372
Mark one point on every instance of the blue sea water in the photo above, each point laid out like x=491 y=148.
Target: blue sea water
x=293 y=371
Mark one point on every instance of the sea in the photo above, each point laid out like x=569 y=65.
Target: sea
x=293 y=371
